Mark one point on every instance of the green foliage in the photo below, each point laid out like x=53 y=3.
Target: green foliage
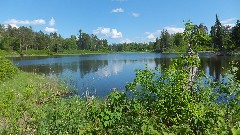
x=24 y=40
x=166 y=101
x=196 y=36
x=161 y=101
x=4 y=53
x=61 y=116
x=235 y=35
x=164 y=42
x=7 y=69
x=33 y=104
x=37 y=52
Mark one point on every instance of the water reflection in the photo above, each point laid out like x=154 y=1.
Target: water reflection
x=89 y=66
x=102 y=72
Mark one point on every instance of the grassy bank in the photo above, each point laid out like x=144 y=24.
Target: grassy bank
x=46 y=53
x=35 y=104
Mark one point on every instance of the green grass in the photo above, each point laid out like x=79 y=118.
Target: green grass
x=26 y=100
x=4 y=53
x=65 y=52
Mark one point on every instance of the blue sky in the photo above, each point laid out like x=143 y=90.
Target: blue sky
x=116 y=20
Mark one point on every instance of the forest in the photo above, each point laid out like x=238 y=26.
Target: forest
x=223 y=39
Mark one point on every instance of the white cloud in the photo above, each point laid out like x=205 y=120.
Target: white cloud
x=108 y=32
x=26 y=22
x=172 y=29
x=103 y=31
x=151 y=36
x=126 y=41
x=229 y=22
x=135 y=14
x=13 y=25
x=116 y=34
x=52 y=22
x=118 y=10
x=50 y=30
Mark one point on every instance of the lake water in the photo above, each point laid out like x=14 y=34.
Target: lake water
x=99 y=73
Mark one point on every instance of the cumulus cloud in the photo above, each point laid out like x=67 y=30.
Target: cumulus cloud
x=126 y=41
x=50 y=30
x=52 y=22
x=172 y=29
x=151 y=36
x=116 y=34
x=108 y=32
x=12 y=25
x=135 y=14
x=103 y=31
x=229 y=22
x=118 y=10
x=26 y=22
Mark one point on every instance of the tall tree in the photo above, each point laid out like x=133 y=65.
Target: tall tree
x=56 y=42
x=70 y=43
x=165 y=40
x=235 y=35
x=79 y=42
x=11 y=40
x=25 y=36
x=41 y=40
x=156 y=45
x=86 y=42
x=178 y=39
x=217 y=35
x=228 y=44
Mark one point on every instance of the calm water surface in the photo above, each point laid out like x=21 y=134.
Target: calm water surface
x=99 y=73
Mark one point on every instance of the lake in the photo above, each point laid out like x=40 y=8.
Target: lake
x=99 y=73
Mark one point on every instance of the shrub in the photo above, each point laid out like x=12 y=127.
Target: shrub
x=166 y=101
x=7 y=69
x=3 y=53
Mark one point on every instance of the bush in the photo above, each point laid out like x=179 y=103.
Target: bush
x=7 y=69
x=166 y=101
x=3 y=53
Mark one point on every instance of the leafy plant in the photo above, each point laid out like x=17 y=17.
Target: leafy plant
x=7 y=69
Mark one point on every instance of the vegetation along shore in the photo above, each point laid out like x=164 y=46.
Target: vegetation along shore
x=222 y=39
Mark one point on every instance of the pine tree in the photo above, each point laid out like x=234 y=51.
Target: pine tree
x=217 y=35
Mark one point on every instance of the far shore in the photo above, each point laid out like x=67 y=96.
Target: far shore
x=15 y=54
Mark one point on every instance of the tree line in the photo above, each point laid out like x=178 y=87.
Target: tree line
x=24 y=39
x=220 y=38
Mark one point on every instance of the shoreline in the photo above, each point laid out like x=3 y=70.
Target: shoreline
x=69 y=54
x=15 y=54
